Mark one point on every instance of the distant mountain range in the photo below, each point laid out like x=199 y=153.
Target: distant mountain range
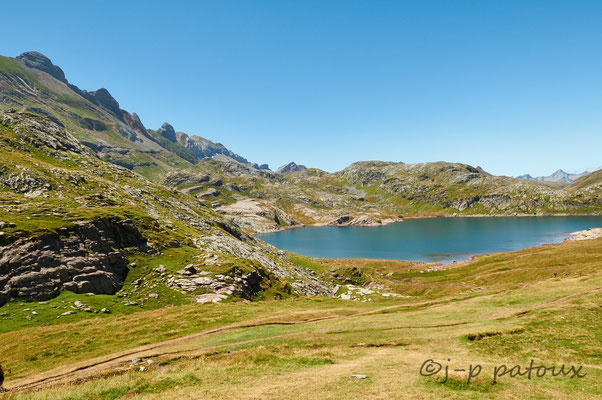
x=558 y=176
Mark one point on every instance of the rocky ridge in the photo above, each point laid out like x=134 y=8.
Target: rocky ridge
x=204 y=148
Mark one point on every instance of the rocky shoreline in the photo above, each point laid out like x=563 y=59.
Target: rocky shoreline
x=592 y=233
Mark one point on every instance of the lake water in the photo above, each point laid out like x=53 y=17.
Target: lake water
x=441 y=240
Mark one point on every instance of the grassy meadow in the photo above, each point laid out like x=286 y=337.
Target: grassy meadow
x=542 y=304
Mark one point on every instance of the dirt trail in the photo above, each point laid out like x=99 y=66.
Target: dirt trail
x=559 y=301
x=175 y=348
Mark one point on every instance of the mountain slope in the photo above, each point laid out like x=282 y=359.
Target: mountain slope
x=591 y=183
x=369 y=193
x=31 y=82
x=71 y=221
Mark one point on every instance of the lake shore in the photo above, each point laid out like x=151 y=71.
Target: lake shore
x=436 y=240
x=586 y=234
x=389 y=221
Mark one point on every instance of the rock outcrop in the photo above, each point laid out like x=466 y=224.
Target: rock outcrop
x=168 y=132
x=234 y=282
x=85 y=258
x=103 y=98
x=40 y=133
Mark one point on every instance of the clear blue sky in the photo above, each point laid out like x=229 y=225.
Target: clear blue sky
x=513 y=86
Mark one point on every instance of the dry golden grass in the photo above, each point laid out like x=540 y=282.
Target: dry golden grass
x=309 y=348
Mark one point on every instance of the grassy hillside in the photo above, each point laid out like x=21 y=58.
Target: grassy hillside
x=50 y=184
x=592 y=182
x=371 y=192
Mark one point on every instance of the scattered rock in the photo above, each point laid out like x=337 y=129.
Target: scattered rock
x=210 y=298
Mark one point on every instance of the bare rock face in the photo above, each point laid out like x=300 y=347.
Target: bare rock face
x=103 y=98
x=133 y=121
x=86 y=258
x=168 y=132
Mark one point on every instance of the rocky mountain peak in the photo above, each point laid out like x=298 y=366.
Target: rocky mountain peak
x=291 y=167
x=168 y=132
x=103 y=98
x=39 y=61
x=559 y=172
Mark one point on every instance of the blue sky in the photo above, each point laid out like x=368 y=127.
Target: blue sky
x=512 y=86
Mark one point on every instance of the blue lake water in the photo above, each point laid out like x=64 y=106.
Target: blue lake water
x=430 y=239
